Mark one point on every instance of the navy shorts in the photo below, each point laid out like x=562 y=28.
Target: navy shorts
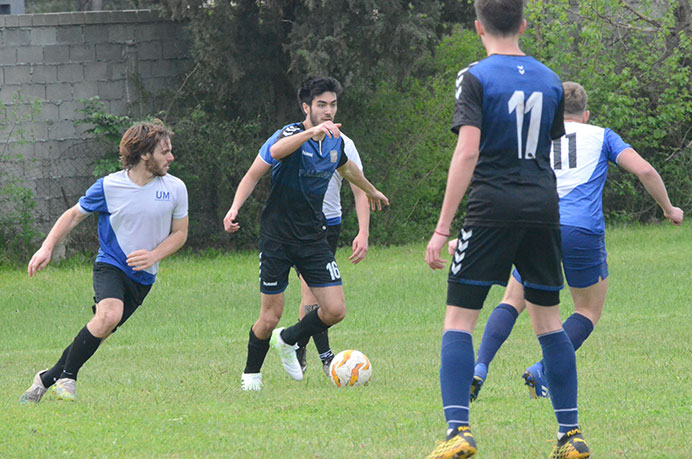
x=584 y=257
x=485 y=256
x=112 y=282
x=315 y=262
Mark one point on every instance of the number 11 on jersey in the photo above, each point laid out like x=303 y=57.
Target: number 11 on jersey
x=534 y=104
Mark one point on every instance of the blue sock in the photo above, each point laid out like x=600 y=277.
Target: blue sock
x=578 y=328
x=561 y=372
x=497 y=329
x=456 y=373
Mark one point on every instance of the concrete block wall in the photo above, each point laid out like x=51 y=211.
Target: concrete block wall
x=126 y=58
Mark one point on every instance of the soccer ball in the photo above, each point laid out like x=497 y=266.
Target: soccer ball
x=350 y=368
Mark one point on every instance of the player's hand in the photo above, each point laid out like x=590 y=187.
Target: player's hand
x=39 y=261
x=140 y=260
x=377 y=199
x=360 y=248
x=432 y=253
x=452 y=246
x=229 y=223
x=328 y=128
x=675 y=216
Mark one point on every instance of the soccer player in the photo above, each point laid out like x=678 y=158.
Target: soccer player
x=142 y=219
x=580 y=160
x=509 y=108
x=331 y=208
x=293 y=228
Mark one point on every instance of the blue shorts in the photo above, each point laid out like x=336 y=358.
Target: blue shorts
x=584 y=257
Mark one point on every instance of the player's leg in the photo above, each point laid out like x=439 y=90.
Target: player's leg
x=322 y=339
x=308 y=302
x=319 y=269
x=586 y=269
x=332 y=310
x=483 y=257
x=275 y=265
x=538 y=261
x=588 y=307
x=584 y=259
x=497 y=330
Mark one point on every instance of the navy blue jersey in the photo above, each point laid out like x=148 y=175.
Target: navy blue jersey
x=517 y=103
x=293 y=211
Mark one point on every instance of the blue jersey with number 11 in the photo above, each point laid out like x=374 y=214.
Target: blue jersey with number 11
x=517 y=103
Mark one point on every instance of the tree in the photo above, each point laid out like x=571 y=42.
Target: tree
x=252 y=54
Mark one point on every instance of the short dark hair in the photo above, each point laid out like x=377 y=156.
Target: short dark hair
x=500 y=17
x=575 y=98
x=140 y=139
x=314 y=86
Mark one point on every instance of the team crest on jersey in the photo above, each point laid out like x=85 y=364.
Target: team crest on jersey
x=521 y=69
x=163 y=195
x=334 y=155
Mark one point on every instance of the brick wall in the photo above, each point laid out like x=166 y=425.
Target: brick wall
x=133 y=60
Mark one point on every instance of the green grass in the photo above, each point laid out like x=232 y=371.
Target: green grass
x=167 y=383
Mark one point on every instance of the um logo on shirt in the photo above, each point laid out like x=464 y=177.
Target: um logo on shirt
x=163 y=195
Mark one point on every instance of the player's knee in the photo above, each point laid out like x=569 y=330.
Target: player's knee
x=335 y=313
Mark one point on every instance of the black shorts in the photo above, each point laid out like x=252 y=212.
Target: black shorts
x=111 y=282
x=485 y=256
x=315 y=262
x=333 y=232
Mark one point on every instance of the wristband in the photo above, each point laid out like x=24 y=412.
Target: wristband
x=441 y=234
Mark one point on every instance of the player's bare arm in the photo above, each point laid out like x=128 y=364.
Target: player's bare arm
x=245 y=188
x=66 y=223
x=140 y=260
x=632 y=162
x=287 y=145
x=458 y=179
x=360 y=242
x=355 y=176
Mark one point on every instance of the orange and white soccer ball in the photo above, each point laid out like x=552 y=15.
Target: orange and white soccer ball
x=350 y=368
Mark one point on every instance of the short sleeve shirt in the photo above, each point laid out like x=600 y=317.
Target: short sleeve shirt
x=580 y=160
x=133 y=217
x=517 y=103
x=293 y=211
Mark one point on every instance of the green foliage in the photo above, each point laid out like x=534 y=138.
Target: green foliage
x=107 y=127
x=251 y=55
x=17 y=203
x=406 y=145
x=635 y=67
x=211 y=156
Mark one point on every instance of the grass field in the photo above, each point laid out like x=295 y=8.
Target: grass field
x=168 y=383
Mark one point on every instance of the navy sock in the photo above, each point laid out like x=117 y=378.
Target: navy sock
x=497 y=329
x=82 y=348
x=456 y=373
x=309 y=326
x=578 y=328
x=561 y=373
x=256 y=352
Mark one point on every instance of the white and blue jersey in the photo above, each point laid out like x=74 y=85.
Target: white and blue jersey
x=580 y=161
x=134 y=217
x=293 y=211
